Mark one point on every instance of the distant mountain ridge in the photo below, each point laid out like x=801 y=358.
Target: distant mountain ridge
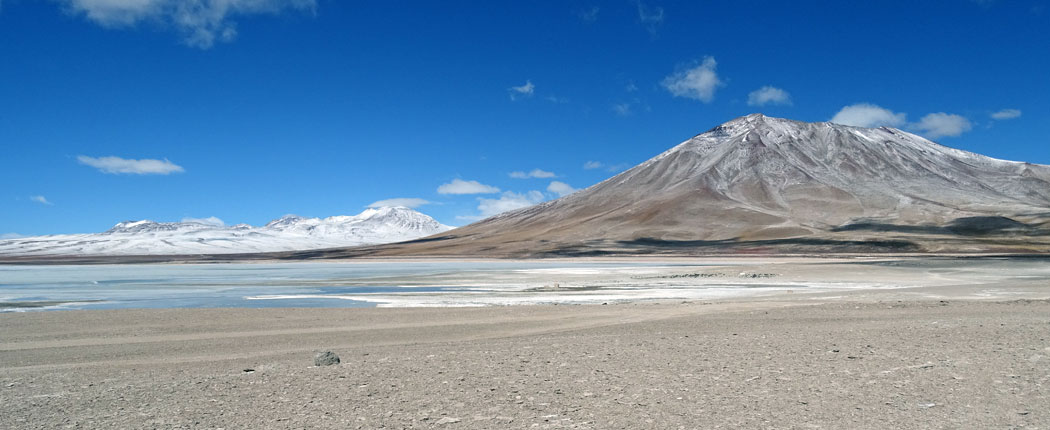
x=288 y=233
x=758 y=184
x=753 y=185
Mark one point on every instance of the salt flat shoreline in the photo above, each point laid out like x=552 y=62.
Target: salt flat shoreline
x=919 y=358
x=456 y=284
x=268 y=258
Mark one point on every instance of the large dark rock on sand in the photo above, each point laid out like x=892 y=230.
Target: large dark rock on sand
x=326 y=358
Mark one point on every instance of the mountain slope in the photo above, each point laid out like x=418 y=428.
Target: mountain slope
x=761 y=184
x=289 y=233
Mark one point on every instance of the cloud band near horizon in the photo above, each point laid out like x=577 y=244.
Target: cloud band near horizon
x=118 y=165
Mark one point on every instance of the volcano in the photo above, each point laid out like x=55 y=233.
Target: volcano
x=768 y=185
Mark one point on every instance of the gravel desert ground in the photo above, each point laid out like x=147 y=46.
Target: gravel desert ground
x=975 y=356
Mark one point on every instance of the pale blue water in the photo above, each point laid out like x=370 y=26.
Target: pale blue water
x=229 y=285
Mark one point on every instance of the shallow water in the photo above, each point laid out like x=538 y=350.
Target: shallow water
x=26 y=288
x=489 y=283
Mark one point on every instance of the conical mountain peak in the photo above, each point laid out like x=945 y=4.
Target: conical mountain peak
x=765 y=181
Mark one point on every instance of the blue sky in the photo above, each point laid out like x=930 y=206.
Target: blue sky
x=247 y=110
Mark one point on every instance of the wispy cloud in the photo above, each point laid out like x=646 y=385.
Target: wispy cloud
x=868 y=115
x=522 y=91
x=591 y=165
x=629 y=108
x=408 y=202
x=698 y=82
x=40 y=199
x=11 y=236
x=1006 y=114
x=117 y=165
x=650 y=17
x=941 y=124
x=590 y=14
x=768 y=95
x=459 y=186
x=932 y=126
x=560 y=188
x=507 y=201
x=201 y=23
x=534 y=173
x=622 y=109
x=212 y=220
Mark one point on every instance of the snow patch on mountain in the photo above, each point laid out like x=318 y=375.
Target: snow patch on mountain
x=288 y=233
x=757 y=178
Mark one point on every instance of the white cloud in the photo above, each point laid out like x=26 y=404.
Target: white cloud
x=868 y=115
x=200 y=22
x=768 y=95
x=560 y=188
x=589 y=15
x=622 y=109
x=130 y=166
x=1007 y=114
x=41 y=200
x=628 y=108
x=932 y=125
x=535 y=173
x=651 y=18
x=941 y=124
x=522 y=91
x=507 y=201
x=591 y=165
x=117 y=13
x=215 y=221
x=408 y=202
x=698 y=83
x=459 y=186
x=11 y=236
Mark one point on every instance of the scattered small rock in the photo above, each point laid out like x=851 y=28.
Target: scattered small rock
x=757 y=275
x=326 y=358
x=447 y=420
x=249 y=370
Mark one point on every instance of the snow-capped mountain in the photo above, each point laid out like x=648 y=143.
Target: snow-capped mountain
x=288 y=233
x=761 y=184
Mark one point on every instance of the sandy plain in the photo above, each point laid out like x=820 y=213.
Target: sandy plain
x=934 y=353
